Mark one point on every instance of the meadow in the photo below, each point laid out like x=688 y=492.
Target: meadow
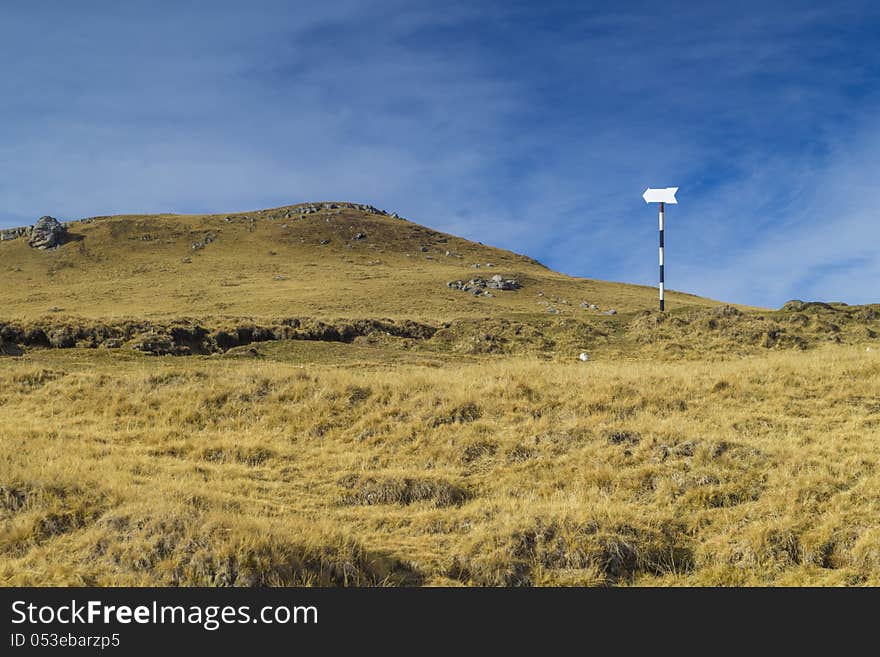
x=326 y=464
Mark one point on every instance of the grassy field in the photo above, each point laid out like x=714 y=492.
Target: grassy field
x=287 y=403
x=121 y=469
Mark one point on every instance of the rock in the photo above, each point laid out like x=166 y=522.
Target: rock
x=584 y=305
x=593 y=306
x=47 y=233
x=584 y=356
x=325 y=242
x=280 y=277
x=481 y=285
x=112 y=343
x=186 y=260
x=423 y=249
x=361 y=236
x=795 y=304
x=14 y=233
x=205 y=241
x=498 y=282
x=394 y=215
x=610 y=311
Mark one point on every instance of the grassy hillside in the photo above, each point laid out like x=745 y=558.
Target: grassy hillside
x=289 y=403
x=272 y=263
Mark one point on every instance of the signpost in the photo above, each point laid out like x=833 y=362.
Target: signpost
x=661 y=196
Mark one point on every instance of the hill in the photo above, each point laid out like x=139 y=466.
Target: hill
x=344 y=272
x=320 y=260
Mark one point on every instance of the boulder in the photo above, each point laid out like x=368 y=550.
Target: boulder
x=498 y=282
x=47 y=233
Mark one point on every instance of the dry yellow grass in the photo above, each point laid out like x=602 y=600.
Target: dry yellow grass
x=122 y=469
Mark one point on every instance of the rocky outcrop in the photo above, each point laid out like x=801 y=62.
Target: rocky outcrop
x=47 y=233
x=312 y=208
x=481 y=286
x=14 y=233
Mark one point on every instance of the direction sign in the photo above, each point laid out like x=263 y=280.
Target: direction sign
x=666 y=195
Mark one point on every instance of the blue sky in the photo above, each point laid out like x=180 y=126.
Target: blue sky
x=534 y=126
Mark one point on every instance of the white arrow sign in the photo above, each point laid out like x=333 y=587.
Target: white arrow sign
x=666 y=195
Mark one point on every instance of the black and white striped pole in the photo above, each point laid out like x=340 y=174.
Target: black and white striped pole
x=661 y=196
